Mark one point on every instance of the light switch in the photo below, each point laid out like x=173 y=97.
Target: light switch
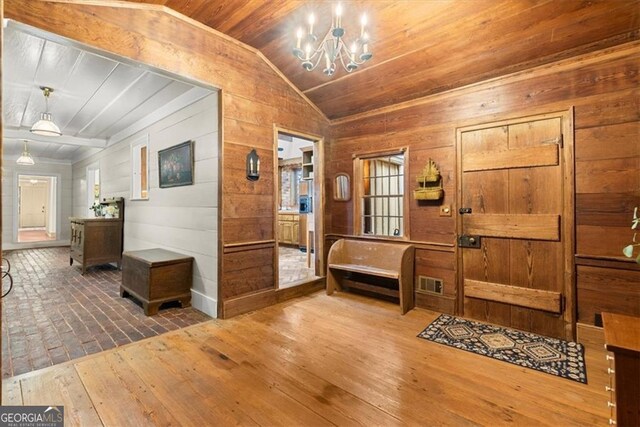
x=445 y=210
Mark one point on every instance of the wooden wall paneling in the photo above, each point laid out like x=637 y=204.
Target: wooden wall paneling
x=247 y=271
x=608 y=108
x=602 y=87
x=426 y=223
x=439 y=265
x=605 y=289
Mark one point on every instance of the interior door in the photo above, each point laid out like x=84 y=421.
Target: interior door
x=515 y=247
x=32 y=206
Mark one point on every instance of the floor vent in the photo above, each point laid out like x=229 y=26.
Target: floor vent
x=430 y=285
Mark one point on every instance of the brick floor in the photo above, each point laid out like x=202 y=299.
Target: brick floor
x=54 y=314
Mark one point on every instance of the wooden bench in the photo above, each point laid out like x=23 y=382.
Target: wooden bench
x=381 y=259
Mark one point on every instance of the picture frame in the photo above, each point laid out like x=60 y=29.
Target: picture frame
x=175 y=165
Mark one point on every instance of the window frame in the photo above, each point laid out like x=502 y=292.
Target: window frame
x=358 y=192
x=136 y=146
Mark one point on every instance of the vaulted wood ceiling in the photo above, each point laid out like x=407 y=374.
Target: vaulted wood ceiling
x=420 y=47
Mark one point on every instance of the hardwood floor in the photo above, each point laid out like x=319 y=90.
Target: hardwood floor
x=316 y=360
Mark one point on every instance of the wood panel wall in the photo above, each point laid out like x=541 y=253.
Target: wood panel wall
x=255 y=97
x=602 y=87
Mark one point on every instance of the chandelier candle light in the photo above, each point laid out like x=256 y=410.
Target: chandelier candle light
x=332 y=47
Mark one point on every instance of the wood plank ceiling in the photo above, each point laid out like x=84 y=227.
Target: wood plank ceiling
x=420 y=47
x=96 y=100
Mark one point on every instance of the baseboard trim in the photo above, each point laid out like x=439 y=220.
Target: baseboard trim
x=265 y=298
x=204 y=303
x=14 y=246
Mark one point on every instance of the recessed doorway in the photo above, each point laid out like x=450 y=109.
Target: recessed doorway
x=37 y=208
x=296 y=219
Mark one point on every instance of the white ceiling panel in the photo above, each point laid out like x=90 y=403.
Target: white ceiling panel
x=14 y=103
x=161 y=98
x=112 y=88
x=94 y=97
x=56 y=57
x=141 y=90
x=25 y=51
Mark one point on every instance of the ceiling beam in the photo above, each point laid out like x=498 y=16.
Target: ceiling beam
x=23 y=133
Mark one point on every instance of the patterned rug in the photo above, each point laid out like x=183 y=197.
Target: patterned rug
x=553 y=356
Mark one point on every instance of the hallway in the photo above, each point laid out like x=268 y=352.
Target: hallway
x=54 y=314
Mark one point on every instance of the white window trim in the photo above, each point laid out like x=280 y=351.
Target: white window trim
x=136 y=146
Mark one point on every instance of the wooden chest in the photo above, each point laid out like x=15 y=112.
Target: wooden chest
x=156 y=276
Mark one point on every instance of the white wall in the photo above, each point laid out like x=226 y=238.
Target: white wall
x=10 y=171
x=182 y=219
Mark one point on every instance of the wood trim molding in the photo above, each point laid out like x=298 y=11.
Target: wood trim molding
x=248 y=246
x=246 y=303
x=607 y=262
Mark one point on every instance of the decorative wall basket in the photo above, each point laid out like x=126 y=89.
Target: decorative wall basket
x=429 y=183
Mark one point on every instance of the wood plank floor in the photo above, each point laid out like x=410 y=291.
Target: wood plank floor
x=316 y=360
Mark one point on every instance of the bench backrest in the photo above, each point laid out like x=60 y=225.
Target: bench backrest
x=388 y=256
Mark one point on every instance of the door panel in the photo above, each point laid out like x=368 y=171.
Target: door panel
x=32 y=206
x=512 y=179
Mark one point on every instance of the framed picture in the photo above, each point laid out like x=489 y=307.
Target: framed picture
x=175 y=165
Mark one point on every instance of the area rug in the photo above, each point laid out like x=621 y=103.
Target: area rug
x=553 y=356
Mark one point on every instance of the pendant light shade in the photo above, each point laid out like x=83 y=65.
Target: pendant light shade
x=45 y=126
x=25 y=159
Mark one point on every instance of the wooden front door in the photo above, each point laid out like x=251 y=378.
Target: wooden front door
x=515 y=244
x=33 y=200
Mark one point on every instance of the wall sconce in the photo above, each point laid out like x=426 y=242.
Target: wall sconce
x=253 y=166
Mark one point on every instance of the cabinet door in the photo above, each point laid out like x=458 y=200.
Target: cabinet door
x=295 y=234
x=287 y=232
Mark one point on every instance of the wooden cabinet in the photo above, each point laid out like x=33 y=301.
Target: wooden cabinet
x=288 y=229
x=622 y=340
x=307 y=163
x=96 y=241
x=155 y=276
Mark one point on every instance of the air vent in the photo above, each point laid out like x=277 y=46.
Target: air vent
x=430 y=285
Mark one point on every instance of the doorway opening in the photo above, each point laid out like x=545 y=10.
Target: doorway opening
x=296 y=219
x=37 y=208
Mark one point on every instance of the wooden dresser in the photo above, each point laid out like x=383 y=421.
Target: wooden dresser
x=622 y=339
x=96 y=241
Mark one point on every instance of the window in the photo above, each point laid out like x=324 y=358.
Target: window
x=139 y=169
x=93 y=187
x=382 y=195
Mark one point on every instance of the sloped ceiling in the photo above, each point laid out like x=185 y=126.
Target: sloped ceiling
x=420 y=47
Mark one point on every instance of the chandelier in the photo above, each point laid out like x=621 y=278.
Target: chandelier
x=332 y=47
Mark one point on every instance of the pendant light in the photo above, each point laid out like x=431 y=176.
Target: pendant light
x=45 y=126
x=25 y=159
